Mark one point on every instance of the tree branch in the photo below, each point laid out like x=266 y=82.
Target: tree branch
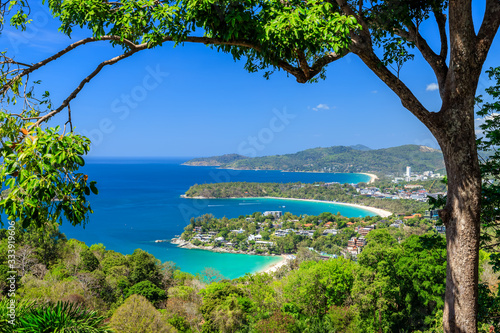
x=32 y=68
x=304 y=66
x=11 y=61
x=75 y=92
x=359 y=18
x=325 y=60
x=488 y=29
x=437 y=62
x=409 y=101
x=134 y=49
x=441 y=23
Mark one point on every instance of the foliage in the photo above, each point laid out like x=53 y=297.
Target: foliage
x=180 y=323
x=58 y=317
x=225 y=307
x=39 y=172
x=317 y=286
x=488 y=143
x=394 y=286
x=277 y=323
x=138 y=315
x=400 y=286
x=318 y=27
x=144 y=266
x=147 y=289
x=209 y=275
x=89 y=261
x=318 y=191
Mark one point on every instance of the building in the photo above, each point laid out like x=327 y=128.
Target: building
x=431 y=214
x=408 y=171
x=440 y=229
x=264 y=243
x=283 y=233
x=329 y=232
x=365 y=231
x=273 y=213
x=397 y=224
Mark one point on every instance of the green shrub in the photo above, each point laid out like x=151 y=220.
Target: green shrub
x=147 y=289
x=89 y=261
x=137 y=314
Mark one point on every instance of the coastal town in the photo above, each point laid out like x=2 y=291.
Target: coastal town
x=278 y=233
x=410 y=189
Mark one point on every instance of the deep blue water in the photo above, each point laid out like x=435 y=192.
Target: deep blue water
x=139 y=201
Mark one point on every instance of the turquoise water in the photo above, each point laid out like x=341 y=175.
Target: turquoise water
x=139 y=201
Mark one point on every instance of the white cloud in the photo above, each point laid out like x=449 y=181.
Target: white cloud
x=374 y=91
x=492 y=116
x=481 y=121
x=321 y=107
x=432 y=87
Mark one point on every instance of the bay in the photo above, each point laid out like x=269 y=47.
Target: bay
x=140 y=201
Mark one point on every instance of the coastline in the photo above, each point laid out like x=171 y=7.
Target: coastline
x=273 y=267
x=373 y=177
x=190 y=246
x=378 y=211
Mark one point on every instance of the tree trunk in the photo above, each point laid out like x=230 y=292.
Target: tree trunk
x=461 y=217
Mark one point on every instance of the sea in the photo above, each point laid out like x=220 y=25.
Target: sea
x=140 y=201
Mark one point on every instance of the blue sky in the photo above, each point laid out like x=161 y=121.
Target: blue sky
x=193 y=101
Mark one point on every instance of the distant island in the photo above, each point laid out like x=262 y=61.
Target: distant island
x=352 y=159
x=223 y=160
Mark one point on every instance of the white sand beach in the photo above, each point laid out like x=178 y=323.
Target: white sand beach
x=378 y=211
x=274 y=267
x=372 y=177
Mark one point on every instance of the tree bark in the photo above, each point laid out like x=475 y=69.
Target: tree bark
x=461 y=216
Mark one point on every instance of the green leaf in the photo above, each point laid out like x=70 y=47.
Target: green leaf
x=93 y=188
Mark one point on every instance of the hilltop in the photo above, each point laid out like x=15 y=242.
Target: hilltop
x=336 y=159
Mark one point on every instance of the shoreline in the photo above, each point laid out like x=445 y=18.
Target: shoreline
x=270 y=268
x=190 y=246
x=372 y=176
x=275 y=266
x=378 y=211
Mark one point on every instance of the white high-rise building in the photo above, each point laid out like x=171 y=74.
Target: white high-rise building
x=408 y=171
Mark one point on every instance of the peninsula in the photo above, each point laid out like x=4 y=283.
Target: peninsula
x=278 y=233
x=383 y=201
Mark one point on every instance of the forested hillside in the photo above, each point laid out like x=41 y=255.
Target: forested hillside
x=216 y=160
x=320 y=191
x=395 y=286
x=339 y=159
